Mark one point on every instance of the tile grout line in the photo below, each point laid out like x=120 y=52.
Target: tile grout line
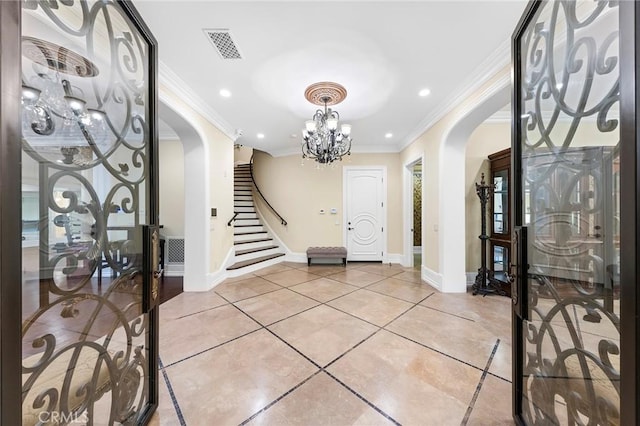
x=472 y=403
x=214 y=347
x=499 y=377
x=352 y=348
x=222 y=343
x=363 y=399
x=433 y=349
x=172 y=394
x=300 y=353
x=280 y=338
x=275 y=401
x=449 y=313
x=418 y=303
x=330 y=300
x=320 y=369
x=204 y=310
x=240 y=336
x=251 y=297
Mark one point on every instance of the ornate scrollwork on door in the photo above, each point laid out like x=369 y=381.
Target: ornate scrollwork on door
x=85 y=72
x=570 y=157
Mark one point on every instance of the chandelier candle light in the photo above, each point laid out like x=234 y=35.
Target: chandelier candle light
x=321 y=139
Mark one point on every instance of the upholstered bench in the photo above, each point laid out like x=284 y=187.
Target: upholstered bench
x=327 y=253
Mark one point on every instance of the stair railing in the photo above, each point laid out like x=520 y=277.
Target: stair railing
x=235 y=214
x=282 y=221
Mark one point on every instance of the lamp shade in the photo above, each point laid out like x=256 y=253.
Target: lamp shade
x=345 y=129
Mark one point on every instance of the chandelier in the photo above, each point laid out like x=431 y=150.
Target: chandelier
x=55 y=112
x=321 y=139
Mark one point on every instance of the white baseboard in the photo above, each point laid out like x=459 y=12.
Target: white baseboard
x=471 y=278
x=174 y=269
x=296 y=257
x=216 y=278
x=222 y=274
x=395 y=258
x=434 y=279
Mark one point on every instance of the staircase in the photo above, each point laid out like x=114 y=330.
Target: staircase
x=252 y=242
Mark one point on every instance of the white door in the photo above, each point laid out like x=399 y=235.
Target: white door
x=364 y=213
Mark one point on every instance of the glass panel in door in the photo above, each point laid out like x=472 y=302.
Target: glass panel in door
x=88 y=330
x=567 y=104
x=500 y=202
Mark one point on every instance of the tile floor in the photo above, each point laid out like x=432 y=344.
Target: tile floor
x=369 y=344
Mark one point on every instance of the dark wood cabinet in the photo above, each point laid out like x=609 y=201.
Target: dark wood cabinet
x=500 y=235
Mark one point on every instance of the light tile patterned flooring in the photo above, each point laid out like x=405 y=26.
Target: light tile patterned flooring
x=369 y=344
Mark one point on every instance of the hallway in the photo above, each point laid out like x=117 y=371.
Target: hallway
x=325 y=345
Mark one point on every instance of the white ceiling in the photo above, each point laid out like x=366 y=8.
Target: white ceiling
x=382 y=52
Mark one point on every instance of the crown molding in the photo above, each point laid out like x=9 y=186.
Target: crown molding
x=487 y=69
x=174 y=83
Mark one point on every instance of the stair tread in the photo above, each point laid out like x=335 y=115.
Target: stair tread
x=249 y=233
x=255 y=250
x=259 y=240
x=246 y=226
x=250 y=262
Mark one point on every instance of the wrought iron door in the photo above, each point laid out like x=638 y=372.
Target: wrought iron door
x=89 y=210
x=568 y=289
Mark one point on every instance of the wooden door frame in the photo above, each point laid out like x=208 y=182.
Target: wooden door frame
x=629 y=210
x=345 y=185
x=408 y=210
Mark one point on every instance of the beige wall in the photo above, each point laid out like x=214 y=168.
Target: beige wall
x=171 y=176
x=488 y=138
x=242 y=154
x=298 y=192
x=218 y=149
x=221 y=197
x=429 y=146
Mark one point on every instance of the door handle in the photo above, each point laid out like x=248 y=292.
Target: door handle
x=151 y=270
x=518 y=272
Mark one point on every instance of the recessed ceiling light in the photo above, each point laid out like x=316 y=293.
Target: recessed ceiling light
x=424 y=92
x=293 y=135
x=225 y=93
x=388 y=135
x=260 y=135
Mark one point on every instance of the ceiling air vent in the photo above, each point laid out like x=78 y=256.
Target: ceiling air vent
x=221 y=39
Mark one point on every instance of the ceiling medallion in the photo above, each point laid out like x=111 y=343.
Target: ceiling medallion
x=325 y=92
x=57 y=58
x=321 y=139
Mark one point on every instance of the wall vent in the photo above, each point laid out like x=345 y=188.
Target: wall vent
x=175 y=250
x=224 y=44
